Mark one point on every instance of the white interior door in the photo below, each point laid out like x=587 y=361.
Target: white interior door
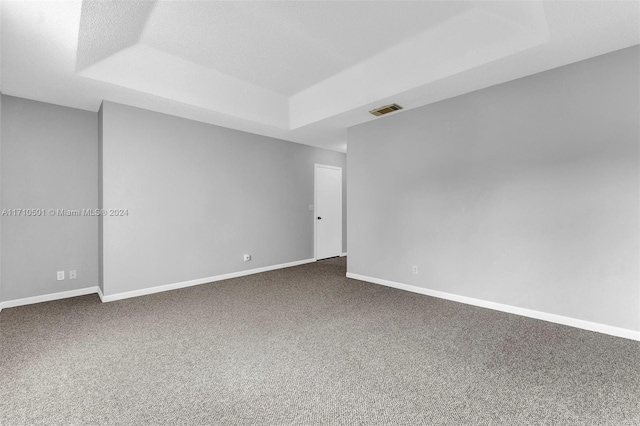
x=328 y=211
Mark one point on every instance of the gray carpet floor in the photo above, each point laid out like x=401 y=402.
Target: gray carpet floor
x=305 y=346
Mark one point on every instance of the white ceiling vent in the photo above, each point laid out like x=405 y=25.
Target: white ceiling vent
x=385 y=109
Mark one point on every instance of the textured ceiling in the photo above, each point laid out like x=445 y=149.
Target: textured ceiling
x=101 y=31
x=296 y=70
x=287 y=46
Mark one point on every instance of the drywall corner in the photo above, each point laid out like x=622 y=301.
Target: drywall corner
x=1 y=199
x=100 y=201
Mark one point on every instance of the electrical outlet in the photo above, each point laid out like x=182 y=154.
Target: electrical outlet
x=60 y=275
x=415 y=269
x=247 y=257
x=72 y=274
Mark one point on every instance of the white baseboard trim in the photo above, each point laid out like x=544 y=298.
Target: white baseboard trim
x=100 y=295
x=145 y=291
x=48 y=297
x=558 y=319
x=183 y=284
x=343 y=254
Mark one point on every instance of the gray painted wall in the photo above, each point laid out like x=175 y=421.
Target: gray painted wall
x=1 y=204
x=49 y=160
x=525 y=193
x=199 y=197
x=100 y=206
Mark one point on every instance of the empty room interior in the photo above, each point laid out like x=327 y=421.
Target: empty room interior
x=319 y=212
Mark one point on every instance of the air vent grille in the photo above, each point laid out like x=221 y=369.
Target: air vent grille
x=385 y=109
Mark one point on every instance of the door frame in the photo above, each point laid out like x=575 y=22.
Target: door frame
x=315 y=207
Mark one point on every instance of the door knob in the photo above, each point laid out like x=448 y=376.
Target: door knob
x=319 y=218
